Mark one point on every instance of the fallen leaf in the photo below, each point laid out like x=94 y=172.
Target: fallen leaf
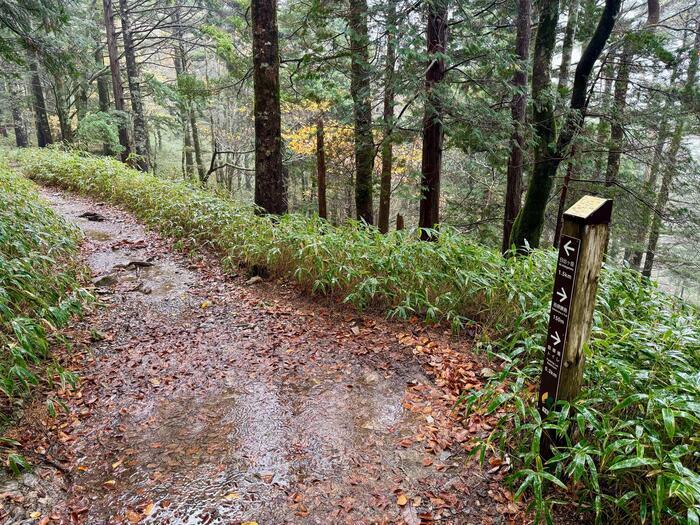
x=35 y=515
x=133 y=517
x=109 y=483
x=401 y=500
x=148 y=509
x=232 y=495
x=410 y=516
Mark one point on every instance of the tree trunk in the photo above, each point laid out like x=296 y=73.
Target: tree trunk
x=270 y=174
x=603 y=127
x=635 y=258
x=662 y=198
x=43 y=130
x=188 y=168
x=528 y=225
x=197 y=148
x=388 y=119
x=617 y=130
x=3 y=124
x=433 y=131
x=321 y=169
x=562 y=198
x=142 y=161
x=62 y=110
x=117 y=88
x=568 y=46
x=21 y=138
x=671 y=157
x=518 y=108
x=102 y=93
x=362 y=110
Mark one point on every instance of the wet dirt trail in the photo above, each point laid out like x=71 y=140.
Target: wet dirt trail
x=209 y=399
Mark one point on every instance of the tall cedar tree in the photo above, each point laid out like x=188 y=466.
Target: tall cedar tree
x=117 y=88
x=362 y=109
x=102 y=92
x=433 y=130
x=321 y=169
x=21 y=138
x=518 y=110
x=670 y=165
x=43 y=130
x=568 y=45
x=548 y=155
x=132 y=71
x=270 y=175
x=388 y=118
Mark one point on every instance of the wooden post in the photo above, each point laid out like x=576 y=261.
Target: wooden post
x=583 y=243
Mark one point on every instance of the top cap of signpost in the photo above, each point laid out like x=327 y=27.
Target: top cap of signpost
x=590 y=210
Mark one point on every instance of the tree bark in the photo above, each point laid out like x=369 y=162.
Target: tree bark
x=388 y=119
x=662 y=198
x=270 y=174
x=21 y=137
x=117 y=88
x=528 y=225
x=362 y=109
x=433 y=130
x=43 y=130
x=3 y=125
x=518 y=109
x=197 y=147
x=102 y=93
x=671 y=157
x=617 y=130
x=62 y=109
x=321 y=169
x=603 y=127
x=568 y=46
x=141 y=147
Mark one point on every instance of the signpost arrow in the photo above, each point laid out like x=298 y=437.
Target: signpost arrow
x=568 y=248
x=562 y=295
x=555 y=337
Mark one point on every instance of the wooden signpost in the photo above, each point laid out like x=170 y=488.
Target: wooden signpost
x=582 y=246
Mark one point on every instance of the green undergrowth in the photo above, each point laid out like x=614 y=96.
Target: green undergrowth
x=635 y=450
x=39 y=290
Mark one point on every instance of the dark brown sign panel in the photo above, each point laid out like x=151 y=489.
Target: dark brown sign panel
x=558 y=321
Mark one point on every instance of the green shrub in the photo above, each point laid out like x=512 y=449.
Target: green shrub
x=637 y=442
x=38 y=286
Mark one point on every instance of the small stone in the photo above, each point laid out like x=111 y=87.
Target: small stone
x=254 y=280
x=488 y=373
x=105 y=280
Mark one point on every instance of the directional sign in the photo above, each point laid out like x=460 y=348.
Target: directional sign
x=558 y=321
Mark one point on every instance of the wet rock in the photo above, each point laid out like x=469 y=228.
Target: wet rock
x=92 y=216
x=105 y=280
x=133 y=265
x=488 y=373
x=254 y=280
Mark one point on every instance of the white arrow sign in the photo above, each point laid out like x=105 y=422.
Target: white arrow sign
x=555 y=337
x=568 y=248
x=562 y=295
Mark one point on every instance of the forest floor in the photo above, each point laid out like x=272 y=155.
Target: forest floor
x=210 y=398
